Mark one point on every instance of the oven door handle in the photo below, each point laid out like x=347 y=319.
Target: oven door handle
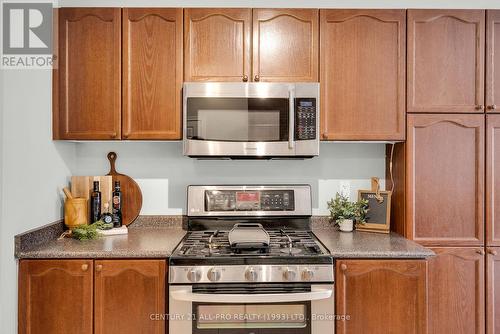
x=187 y=295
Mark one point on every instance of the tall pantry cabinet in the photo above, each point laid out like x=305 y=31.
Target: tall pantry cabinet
x=452 y=91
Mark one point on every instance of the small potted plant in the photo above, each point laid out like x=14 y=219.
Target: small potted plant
x=345 y=213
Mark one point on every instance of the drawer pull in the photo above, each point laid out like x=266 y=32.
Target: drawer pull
x=492 y=252
x=98 y=267
x=479 y=107
x=85 y=267
x=245 y=78
x=343 y=267
x=480 y=251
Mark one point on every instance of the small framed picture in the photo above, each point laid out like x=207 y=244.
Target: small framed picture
x=378 y=218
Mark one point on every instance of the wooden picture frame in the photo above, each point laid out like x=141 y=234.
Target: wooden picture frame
x=382 y=209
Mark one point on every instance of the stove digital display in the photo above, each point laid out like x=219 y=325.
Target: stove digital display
x=269 y=200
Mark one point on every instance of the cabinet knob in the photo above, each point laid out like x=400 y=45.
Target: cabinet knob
x=343 y=267
x=125 y=135
x=324 y=136
x=492 y=252
x=480 y=251
x=245 y=78
x=492 y=107
x=98 y=267
x=256 y=78
x=85 y=267
x=479 y=107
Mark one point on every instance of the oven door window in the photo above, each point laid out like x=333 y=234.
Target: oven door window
x=256 y=318
x=237 y=119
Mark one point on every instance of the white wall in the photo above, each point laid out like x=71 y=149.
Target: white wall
x=287 y=4
x=34 y=168
x=164 y=173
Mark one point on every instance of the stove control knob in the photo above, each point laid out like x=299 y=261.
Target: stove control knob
x=194 y=275
x=307 y=274
x=289 y=275
x=213 y=274
x=251 y=274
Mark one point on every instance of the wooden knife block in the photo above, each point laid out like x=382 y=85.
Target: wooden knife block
x=82 y=186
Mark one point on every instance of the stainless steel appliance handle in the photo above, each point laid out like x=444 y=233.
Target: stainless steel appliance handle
x=187 y=295
x=291 y=113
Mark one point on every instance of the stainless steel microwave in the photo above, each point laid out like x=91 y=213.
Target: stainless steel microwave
x=251 y=120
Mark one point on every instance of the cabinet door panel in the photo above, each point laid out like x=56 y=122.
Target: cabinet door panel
x=217 y=44
x=446 y=60
x=445 y=179
x=285 y=45
x=363 y=74
x=89 y=74
x=152 y=73
x=456 y=291
x=493 y=61
x=493 y=180
x=127 y=292
x=493 y=291
x=371 y=290
x=55 y=296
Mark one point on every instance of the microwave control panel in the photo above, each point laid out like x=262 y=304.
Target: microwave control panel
x=305 y=118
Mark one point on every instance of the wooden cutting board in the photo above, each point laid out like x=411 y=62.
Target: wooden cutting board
x=82 y=186
x=131 y=193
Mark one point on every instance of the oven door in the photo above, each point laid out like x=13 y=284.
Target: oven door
x=238 y=119
x=252 y=309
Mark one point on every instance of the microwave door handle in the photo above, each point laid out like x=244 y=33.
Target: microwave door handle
x=187 y=295
x=291 y=112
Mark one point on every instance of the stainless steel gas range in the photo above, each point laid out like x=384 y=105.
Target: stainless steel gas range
x=250 y=264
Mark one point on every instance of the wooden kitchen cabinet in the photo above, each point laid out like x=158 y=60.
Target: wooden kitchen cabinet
x=493 y=61
x=381 y=296
x=492 y=180
x=493 y=290
x=217 y=44
x=363 y=74
x=87 y=91
x=446 y=61
x=55 y=296
x=456 y=291
x=152 y=73
x=445 y=179
x=285 y=45
x=127 y=293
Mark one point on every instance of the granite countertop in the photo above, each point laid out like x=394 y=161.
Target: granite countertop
x=369 y=245
x=154 y=237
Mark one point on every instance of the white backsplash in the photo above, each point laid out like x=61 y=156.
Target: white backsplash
x=163 y=173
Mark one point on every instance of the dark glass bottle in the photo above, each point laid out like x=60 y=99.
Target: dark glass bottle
x=95 y=203
x=117 y=205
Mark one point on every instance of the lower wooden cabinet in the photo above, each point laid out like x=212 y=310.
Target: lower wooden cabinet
x=55 y=296
x=86 y=296
x=381 y=296
x=128 y=293
x=493 y=290
x=456 y=291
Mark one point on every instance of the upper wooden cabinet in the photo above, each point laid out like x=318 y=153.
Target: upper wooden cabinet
x=137 y=287
x=217 y=44
x=381 y=296
x=493 y=291
x=285 y=45
x=493 y=61
x=493 y=180
x=445 y=179
x=363 y=74
x=87 y=95
x=55 y=296
x=152 y=73
x=446 y=60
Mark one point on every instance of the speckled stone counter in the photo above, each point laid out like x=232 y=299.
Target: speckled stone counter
x=144 y=240
x=156 y=237
x=370 y=245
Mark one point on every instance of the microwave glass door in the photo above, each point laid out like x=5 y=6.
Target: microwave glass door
x=237 y=119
